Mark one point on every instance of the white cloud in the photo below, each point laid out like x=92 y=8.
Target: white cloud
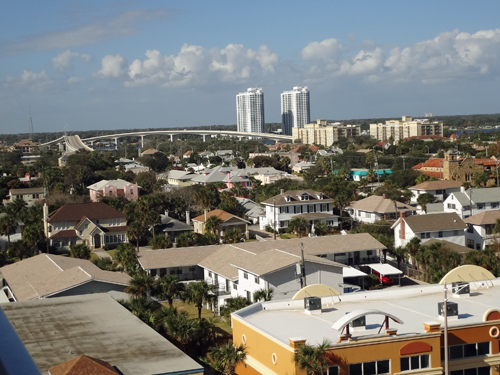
x=112 y=66
x=64 y=61
x=29 y=80
x=122 y=25
x=326 y=50
x=72 y=80
x=195 y=65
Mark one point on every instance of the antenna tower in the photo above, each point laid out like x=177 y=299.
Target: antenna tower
x=31 y=125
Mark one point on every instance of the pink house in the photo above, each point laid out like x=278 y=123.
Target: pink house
x=113 y=189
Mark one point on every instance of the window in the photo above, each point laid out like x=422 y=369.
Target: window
x=466 y=208
x=249 y=296
x=455 y=232
x=415 y=362
x=439 y=191
x=476 y=349
x=451 y=206
x=480 y=206
x=473 y=371
x=440 y=234
x=209 y=274
x=470 y=244
x=257 y=280
x=172 y=272
x=245 y=275
x=494 y=205
x=370 y=368
x=235 y=286
x=132 y=191
x=333 y=370
x=192 y=269
x=179 y=271
x=489 y=228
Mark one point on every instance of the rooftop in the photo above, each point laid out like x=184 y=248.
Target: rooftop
x=295 y=196
x=119 y=184
x=58 y=329
x=412 y=305
x=76 y=211
x=434 y=222
x=223 y=215
x=47 y=274
x=377 y=203
x=487 y=217
x=437 y=185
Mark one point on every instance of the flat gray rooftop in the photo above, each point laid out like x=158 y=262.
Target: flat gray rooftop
x=413 y=305
x=56 y=330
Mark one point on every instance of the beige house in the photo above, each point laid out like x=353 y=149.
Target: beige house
x=29 y=195
x=180 y=178
x=229 y=221
x=94 y=224
x=323 y=133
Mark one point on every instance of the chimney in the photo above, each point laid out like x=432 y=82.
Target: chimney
x=384 y=196
x=432 y=326
x=402 y=231
x=166 y=213
x=206 y=215
x=188 y=218
x=282 y=191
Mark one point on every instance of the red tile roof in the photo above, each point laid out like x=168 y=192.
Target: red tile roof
x=83 y=365
x=75 y=212
x=433 y=174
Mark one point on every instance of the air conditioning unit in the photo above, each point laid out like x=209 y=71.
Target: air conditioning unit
x=452 y=310
x=358 y=324
x=312 y=305
x=460 y=289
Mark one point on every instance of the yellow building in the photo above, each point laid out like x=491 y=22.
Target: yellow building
x=323 y=133
x=405 y=128
x=392 y=331
x=229 y=221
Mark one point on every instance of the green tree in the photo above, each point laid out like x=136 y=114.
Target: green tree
x=224 y=358
x=20 y=250
x=321 y=228
x=412 y=247
x=424 y=199
x=314 y=359
x=233 y=235
x=161 y=241
x=234 y=304
x=199 y=293
x=480 y=179
x=8 y=226
x=213 y=224
x=263 y=295
x=187 y=239
x=126 y=256
x=299 y=225
x=168 y=288
x=135 y=231
x=400 y=254
x=80 y=251
x=141 y=284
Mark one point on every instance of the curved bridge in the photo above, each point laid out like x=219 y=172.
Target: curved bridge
x=74 y=142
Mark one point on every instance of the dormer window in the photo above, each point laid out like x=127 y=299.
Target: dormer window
x=288 y=198
x=320 y=196
x=304 y=197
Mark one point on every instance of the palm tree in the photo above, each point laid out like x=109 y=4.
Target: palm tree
x=135 y=232
x=314 y=359
x=127 y=257
x=232 y=236
x=141 y=284
x=400 y=253
x=321 y=228
x=299 y=225
x=424 y=199
x=8 y=226
x=199 y=293
x=167 y=288
x=263 y=295
x=224 y=358
x=20 y=249
x=187 y=239
x=412 y=248
x=234 y=304
x=213 y=224
x=161 y=241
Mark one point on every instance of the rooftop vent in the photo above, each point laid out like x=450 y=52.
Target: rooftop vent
x=452 y=310
x=312 y=305
x=460 y=289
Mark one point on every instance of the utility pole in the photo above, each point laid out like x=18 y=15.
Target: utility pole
x=470 y=200
x=497 y=175
x=445 y=307
x=274 y=221
x=302 y=268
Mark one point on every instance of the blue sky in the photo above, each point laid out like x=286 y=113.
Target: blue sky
x=140 y=64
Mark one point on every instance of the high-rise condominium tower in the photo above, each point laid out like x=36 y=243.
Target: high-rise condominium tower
x=295 y=109
x=250 y=111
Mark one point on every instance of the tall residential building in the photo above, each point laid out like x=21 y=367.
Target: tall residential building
x=323 y=133
x=250 y=111
x=295 y=110
x=405 y=128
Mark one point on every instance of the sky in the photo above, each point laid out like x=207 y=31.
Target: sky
x=102 y=64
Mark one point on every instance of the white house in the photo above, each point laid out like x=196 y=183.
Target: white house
x=376 y=207
x=441 y=189
x=473 y=201
x=281 y=208
x=446 y=226
x=480 y=233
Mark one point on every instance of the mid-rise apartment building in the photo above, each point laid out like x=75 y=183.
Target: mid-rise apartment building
x=323 y=133
x=405 y=128
x=250 y=111
x=295 y=109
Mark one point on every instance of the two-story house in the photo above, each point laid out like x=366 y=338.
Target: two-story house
x=440 y=189
x=480 y=232
x=445 y=226
x=469 y=202
x=113 y=189
x=29 y=195
x=229 y=221
x=312 y=205
x=94 y=224
x=376 y=207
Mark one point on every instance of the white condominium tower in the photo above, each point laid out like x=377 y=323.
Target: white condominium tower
x=295 y=111
x=250 y=111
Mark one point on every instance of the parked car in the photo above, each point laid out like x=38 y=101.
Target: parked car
x=386 y=280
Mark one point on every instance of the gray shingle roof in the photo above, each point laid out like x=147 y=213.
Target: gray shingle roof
x=435 y=222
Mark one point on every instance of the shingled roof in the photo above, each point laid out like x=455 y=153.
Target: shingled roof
x=380 y=204
x=75 y=212
x=83 y=365
x=47 y=274
x=294 y=198
x=434 y=222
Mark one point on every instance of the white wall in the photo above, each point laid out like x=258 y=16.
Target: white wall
x=287 y=216
x=454 y=236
